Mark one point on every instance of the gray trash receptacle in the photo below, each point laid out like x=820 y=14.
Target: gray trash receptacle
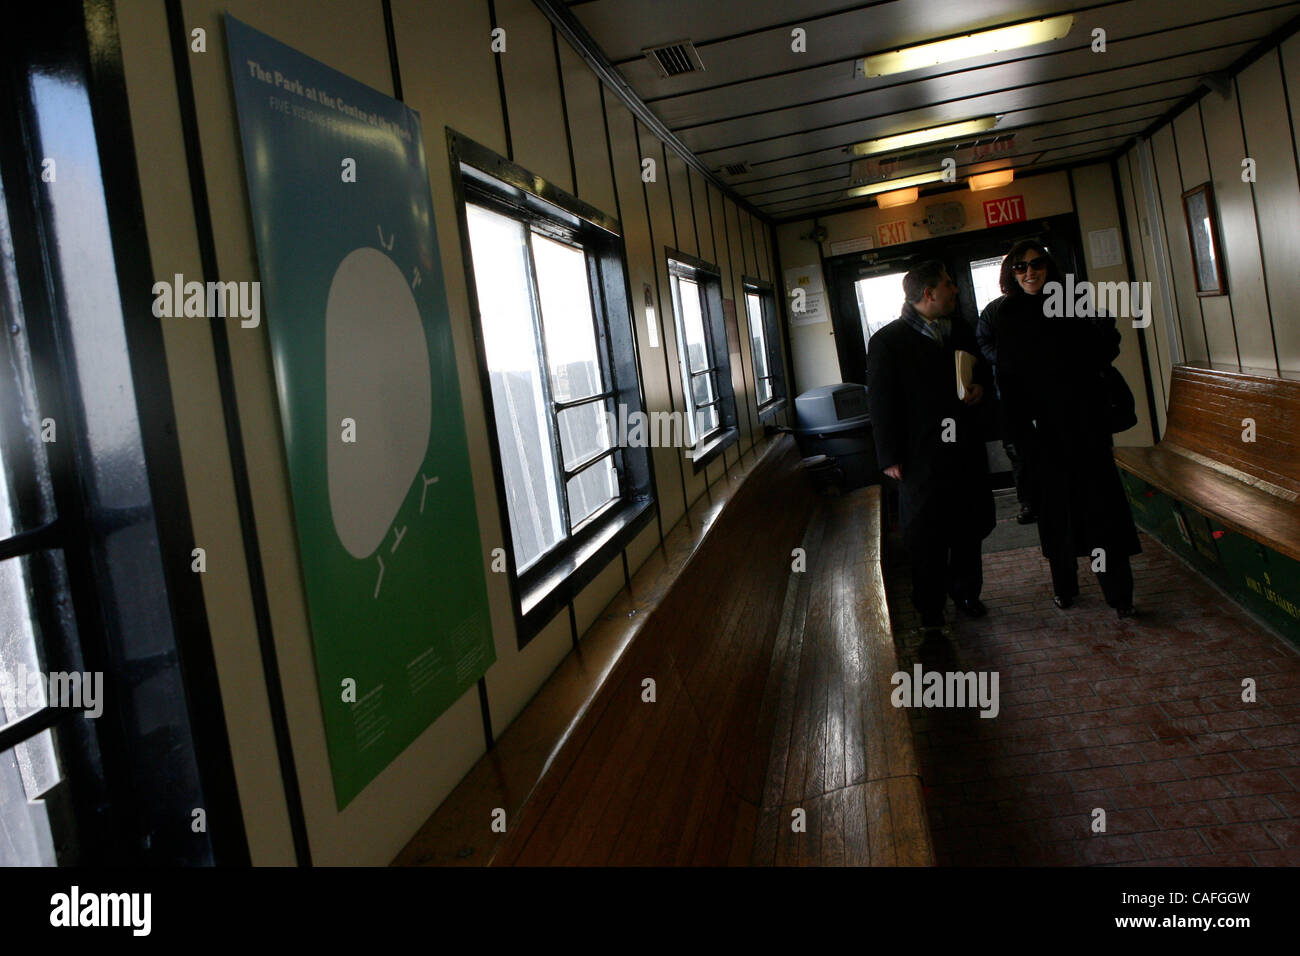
x=833 y=420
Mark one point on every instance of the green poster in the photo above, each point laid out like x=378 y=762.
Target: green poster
x=353 y=295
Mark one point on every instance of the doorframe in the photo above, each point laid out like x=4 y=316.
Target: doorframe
x=1059 y=233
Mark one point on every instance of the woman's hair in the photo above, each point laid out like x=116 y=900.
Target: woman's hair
x=1007 y=278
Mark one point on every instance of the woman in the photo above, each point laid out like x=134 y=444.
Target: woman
x=1049 y=372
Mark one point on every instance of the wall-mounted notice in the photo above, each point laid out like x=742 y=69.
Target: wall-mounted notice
x=845 y=246
x=805 y=295
x=369 y=400
x=1103 y=244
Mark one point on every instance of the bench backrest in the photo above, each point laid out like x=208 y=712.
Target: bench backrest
x=1210 y=412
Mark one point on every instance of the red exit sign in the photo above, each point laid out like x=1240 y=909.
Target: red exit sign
x=999 y=212
x=892 y=233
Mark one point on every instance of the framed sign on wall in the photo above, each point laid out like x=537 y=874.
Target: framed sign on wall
x=1203 y=233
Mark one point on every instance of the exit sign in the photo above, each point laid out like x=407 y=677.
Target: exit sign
x=999 y=212
x=892 y=233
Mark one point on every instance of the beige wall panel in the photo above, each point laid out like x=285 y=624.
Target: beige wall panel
x=1094 y=191
x=1190 y=318
x=688 y=231
x=533 y=106
x=742 y=369
x=1160 y=323
x=583 y=95
x=707 y=229
x=457 y=85
x=1242 y=260
x=201 y=433
x=661 y=223
x=812 y=347
x=1189 y=137
x=592 y=600
x=1277 y=192
x=763 y=248
x=1140 y=274
x=381 y=819
x=642 y=546
x=509 y=691
x=641 y=266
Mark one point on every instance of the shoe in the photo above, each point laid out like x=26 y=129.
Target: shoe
x=1062 y=602
x=1124 y=612
x=1026 y=515
x=933 y=622
x=971 y=607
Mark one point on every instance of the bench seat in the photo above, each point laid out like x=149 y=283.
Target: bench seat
x=771 y=694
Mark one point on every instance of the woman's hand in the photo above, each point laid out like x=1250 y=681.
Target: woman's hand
x=974 y=393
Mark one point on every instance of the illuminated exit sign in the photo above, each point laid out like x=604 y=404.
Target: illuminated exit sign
x=999 y=212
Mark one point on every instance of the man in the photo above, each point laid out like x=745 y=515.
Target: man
x=987 y=338
x=930 y=441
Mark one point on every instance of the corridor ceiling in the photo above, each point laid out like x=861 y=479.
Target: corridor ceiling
x=790 y=116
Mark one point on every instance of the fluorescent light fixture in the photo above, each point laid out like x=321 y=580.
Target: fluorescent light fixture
x=918 y=137
x=920 y=179
x=898 y=197
x=1000 y=177
x=997 y=40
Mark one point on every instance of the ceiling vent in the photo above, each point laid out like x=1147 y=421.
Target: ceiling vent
x=735 y=169
x=928 y=158
x=674 y=59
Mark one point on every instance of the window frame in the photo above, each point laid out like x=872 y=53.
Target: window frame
x=766 y=293
x=482 y=177
x=708 y=446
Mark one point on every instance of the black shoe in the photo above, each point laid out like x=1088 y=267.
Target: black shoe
x=971 y=607
x=1026 y=515
x=1123 y=612
x=1062 y=602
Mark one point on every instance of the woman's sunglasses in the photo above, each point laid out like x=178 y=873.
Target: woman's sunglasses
x=1038 y=262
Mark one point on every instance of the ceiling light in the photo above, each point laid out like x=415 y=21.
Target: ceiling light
x=1001 y=177
x=898 y=197
x=997 y=40
x=920 y=179
x=932 y=134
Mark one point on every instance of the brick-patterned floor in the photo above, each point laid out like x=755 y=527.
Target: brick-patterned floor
x=1143 y=718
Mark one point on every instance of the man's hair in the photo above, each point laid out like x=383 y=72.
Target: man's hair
x=927 y=275
x=1007 y=276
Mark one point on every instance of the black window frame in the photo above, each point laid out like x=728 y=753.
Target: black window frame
x=482 y=177
x=708 y=278
x=160 y=749
x=766 y=293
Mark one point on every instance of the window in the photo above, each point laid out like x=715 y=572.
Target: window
x=702 y=356
x=554 y=333
x=880 y=301
x=765 y=350
x=985 y=276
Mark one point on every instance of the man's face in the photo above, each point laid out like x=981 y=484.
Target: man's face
x=943 y=297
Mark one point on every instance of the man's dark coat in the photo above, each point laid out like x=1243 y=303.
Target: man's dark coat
x=911 y=393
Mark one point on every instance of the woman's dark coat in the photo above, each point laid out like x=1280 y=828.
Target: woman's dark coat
x=1049 y=374
x=911 y=391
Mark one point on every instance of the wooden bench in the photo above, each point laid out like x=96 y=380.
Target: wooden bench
x=771 y=695
x=1251 y=488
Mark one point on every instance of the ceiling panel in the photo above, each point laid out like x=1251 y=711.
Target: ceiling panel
x=791 y=116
